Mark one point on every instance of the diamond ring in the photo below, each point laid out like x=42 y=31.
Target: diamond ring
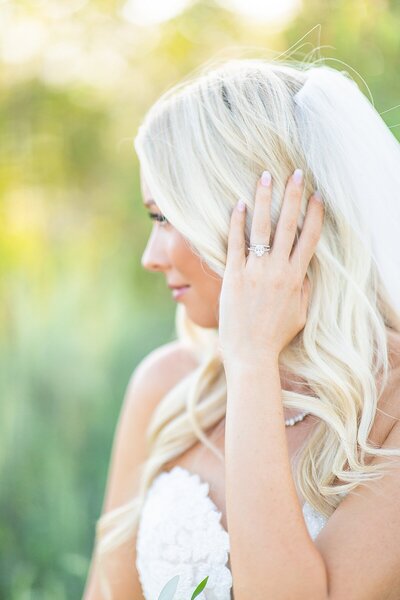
x=259 y=249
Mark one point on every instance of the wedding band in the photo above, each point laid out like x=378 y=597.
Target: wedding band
x=259 y=249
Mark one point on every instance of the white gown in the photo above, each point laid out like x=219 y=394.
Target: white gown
x=180 y=533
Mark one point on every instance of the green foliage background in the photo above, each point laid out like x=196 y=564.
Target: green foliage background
x=78 y=311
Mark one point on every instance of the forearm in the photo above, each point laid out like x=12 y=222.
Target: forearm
x=272 y=554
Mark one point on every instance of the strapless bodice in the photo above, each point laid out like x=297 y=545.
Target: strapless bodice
x=180 y=533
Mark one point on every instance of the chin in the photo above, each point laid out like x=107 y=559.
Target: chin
x=208 y=321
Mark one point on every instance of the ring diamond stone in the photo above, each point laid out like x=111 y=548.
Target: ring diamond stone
x=259 y=249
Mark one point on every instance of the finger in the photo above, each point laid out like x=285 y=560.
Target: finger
x=261 y=223
x=236 y=256
x=310 y=234
x=305 y=288
x=305 y=296
x=287 y=224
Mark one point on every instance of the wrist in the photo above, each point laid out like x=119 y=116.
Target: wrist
x=254 y=363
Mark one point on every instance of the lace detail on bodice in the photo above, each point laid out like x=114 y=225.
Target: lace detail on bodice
x=180 y=533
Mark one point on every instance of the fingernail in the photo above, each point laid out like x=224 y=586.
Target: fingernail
x=266 y=178
x=298 y=176
x=317 y=195
x=241 y=205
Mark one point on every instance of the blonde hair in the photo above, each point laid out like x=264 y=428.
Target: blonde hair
x=201 y=146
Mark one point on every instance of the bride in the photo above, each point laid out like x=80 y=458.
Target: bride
x=261 y=447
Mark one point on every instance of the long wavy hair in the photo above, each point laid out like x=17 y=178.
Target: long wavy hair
x=201 y=146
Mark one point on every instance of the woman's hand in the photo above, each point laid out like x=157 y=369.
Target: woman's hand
x=264 y=299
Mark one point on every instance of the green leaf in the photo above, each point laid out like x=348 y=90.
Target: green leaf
x=169 y=589
x=199 y=588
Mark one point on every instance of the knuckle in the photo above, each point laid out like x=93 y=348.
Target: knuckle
x=317 y=201
x=298 y=285
x=316 y=207
x=254 y=282
x=290 y=225
x=261 y=233
x=314 y=235
x=279 y=281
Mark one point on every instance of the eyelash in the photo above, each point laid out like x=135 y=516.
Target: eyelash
x=159 y=218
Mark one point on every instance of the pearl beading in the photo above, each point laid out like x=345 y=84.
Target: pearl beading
x=293 y=420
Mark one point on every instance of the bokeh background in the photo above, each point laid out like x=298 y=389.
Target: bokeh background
x=77 y=310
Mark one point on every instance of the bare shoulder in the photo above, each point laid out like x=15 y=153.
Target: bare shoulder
x=159 y=371
x=152 y=378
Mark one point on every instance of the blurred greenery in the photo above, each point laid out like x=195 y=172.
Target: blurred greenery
x=78 y=311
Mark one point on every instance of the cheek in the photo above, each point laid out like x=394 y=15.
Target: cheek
x=195 y=270
x=214 y=281
x=181 y=253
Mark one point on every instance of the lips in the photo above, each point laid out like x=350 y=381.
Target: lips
x=177 y=292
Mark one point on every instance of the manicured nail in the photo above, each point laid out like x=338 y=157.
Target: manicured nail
x=317 y=195
x=266 y=178
x=241 y=205
x=298 y=176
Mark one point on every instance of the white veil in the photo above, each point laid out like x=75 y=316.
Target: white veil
x=366 y=166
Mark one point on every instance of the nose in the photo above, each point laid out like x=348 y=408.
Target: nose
x=155 y=256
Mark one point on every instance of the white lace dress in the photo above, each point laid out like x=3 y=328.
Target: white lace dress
x=180 y=534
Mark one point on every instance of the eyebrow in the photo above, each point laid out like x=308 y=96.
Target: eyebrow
x=149 y=202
